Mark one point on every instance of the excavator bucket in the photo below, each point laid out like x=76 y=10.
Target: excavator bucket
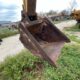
x=41 y=37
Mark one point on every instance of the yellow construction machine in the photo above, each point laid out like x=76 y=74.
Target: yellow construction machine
x=76 y=15
x=39 y=35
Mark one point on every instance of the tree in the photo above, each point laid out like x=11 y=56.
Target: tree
x=73 y=5
x=51 y=12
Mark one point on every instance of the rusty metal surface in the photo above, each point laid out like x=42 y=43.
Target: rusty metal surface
x=39 y=35
x=31 y=43
x=43 y=40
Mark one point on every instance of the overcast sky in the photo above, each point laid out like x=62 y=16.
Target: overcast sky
x=10 y=10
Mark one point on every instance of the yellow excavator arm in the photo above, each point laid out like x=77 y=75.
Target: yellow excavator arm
x=29 y=6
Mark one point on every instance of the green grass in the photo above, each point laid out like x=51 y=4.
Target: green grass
x=75 y=28
x=25 y=66
x=70 y=32
x=72 y=37
x=5 y=32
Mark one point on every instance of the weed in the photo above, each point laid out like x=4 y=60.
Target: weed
x=74 y=28
x=25 y=66
x=5 y=32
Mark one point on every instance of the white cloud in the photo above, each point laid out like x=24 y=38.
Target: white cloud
x=78 y=4
x=3 y=11
x=42 y=6
x=8 y=2
x=46 y=5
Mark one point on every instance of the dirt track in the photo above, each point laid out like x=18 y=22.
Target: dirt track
x=12 y=45
x=64 y=24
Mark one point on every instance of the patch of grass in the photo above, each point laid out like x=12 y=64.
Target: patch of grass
x=74 y=28
x=25 y=66
x=5 y=32
x=74 y=38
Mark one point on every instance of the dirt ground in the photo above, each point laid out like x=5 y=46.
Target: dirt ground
x=10 y=46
